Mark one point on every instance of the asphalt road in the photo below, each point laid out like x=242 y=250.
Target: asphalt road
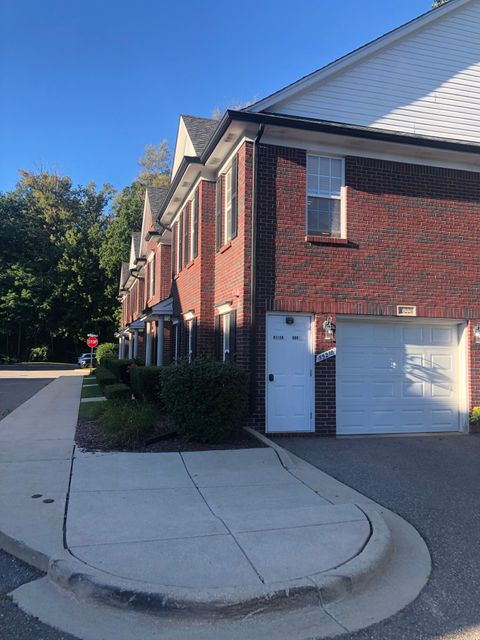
x=434 y=483
x=14 y=624
x=15 y=391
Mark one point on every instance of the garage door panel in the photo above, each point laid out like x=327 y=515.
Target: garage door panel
x=396 y=378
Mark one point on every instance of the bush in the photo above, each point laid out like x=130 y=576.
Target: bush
x=206 y=399
x=104 y=351
x=146 y=382
x=38 y=354
x=121 y=368
x=475 y=416
x=104 y=377
x=118 y=391
x=127 y=422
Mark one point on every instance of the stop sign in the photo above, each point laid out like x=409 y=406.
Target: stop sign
x=92 y=342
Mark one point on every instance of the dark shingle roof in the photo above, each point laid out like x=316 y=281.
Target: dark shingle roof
x=156 y=197
x=200 y=131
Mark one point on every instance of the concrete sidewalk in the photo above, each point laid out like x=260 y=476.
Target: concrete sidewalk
x=221 y=532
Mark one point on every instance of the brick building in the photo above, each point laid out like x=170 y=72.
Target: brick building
x=325 y=239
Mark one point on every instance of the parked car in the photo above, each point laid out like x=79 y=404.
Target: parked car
x=87 y=359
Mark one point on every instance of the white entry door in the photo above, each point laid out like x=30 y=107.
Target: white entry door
x=289 y=374
x=397 y=377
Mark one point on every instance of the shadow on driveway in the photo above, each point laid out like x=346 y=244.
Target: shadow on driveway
x=434 y=483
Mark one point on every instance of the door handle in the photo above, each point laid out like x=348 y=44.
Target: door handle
x=271 y=377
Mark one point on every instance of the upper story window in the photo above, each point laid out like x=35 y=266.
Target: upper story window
x=186 y=234
x=151 y=275
x=325 y=179
x=179 y=247
x=194 y=227
x=227 y=205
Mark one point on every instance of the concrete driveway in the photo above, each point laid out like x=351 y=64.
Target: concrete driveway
x=434 y=483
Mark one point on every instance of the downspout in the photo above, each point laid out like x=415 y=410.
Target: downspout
x=253 y=273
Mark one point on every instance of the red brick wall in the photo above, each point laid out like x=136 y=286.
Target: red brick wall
x=232 y=261
x=412 y=233
x=192 y=287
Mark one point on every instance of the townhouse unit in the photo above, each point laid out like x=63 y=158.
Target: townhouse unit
x=326 y=239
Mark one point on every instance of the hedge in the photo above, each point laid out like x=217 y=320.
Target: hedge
x=105 y=351
x=146 y=382
x=118 y=391
x=104 y=377
x=121 y=368
x=206 y=399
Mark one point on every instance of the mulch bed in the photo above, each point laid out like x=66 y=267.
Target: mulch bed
x=89 y=438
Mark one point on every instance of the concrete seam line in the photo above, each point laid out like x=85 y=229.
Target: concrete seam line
x=260 y=577
x=67 y=500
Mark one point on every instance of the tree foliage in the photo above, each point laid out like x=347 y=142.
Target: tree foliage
x=60 y=257
x=51 y=289
x=438 y=3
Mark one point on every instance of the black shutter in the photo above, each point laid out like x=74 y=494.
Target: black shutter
x=185 y=235
x=234 y=196
x=195 y=226
x=180 y=242
x=232 y=347
x=218 y=217
x=193 y=329
x=218 y=339
x=174 y=249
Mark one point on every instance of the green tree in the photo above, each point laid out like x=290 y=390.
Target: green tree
x=438 y=3
x=155 y=165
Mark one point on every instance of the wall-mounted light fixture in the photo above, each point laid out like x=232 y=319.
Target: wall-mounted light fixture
x=330 y=329
x=476 y=333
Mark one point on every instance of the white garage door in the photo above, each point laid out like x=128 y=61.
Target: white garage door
x=397 y=377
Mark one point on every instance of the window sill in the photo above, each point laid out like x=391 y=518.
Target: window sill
x=225 y=247
x=190 y=264
x=326 y=240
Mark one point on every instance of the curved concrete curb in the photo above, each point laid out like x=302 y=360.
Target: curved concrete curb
x=94 y=584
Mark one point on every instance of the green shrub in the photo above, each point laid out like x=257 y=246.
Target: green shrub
x=121 y=368
x=104 y=377
x=145 y=383
x=206 y=399
x=475 y=416
x=105 y=351
x=127 y=422
x=39 y=354
x=118 y=391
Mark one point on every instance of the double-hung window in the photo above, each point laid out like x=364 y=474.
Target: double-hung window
x=186 y=235
x=179 y=243
x=225 y=336
x=227 y=205
x=151 y=276
x=194 y=227
x=325 y=180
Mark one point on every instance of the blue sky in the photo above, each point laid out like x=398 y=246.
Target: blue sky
x=86 y=84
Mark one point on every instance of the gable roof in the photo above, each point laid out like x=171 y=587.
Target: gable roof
x=200 y=130
x=156 y=198
x=124 y=274
x=136 y=241
x=311 y=79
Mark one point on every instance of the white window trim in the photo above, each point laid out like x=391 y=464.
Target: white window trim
x=226 y=323
x=190 y=339
x=341 y=197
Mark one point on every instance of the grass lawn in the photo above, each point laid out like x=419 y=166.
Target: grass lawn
x=90 y=410
x=91 y=391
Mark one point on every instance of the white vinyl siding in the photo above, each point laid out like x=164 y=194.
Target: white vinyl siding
x=324 y=195
x=427 y=83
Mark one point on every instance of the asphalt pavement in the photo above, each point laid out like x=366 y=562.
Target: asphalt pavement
x=433 y=482
x=15 y=391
